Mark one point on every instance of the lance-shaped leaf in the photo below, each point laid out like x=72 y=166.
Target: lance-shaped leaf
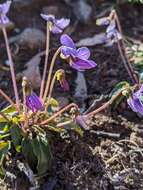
x=4 y=148
x=42 y=151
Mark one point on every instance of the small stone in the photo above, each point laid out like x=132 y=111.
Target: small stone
x=32 y=38
x=50 y=10
x=82 y=11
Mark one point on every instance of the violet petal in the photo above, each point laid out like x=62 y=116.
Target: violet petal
x=83 y=53
x=67 y=51
x=67 y=41
x=56 y=30
x=4 y=8
x=82 y=65
x=48 y=17
x=62 y=23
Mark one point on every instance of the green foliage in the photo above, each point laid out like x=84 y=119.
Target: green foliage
x=121 y=86
x=4 y=148
x=32 y=145
x=136 y=53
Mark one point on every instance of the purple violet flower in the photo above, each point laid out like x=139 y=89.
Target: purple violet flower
x=34 y=103
x=136 y=101
x=112 y=35
x=4 y=8
x=78 y=58
x=57 y=25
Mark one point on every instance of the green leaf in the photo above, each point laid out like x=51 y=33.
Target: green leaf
x=9 y=110
x=4 y=148
x=16 y=137
x=42 y=151
x=27 y=150
x=2 y=120
x=119 y=87
x=4 y=128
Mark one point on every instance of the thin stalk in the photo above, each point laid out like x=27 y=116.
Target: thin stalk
x=50 y=73
x=2 y=93
x=46 y=61
x=51 y=87
x=4 y=116
x=59 y=113
x=122 y=50
x=11 y=67
x=25 y=110
x=104 y=106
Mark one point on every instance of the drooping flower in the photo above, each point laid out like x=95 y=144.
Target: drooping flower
x=78 y=58
x=34 y=103
x=112 y=35
x=136 y=101
x=56 y=25
x=4 y=8
x=62 y=80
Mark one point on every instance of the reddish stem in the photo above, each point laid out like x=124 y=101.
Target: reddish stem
x=11 y=67
x=59 y=113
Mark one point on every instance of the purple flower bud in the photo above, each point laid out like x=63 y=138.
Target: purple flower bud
x=57 y=25
x=64 y=85
x=34 y=103
x=136 y=101
x=60 y=75
x=78 y=58
x=81 y=121
x=4 y=8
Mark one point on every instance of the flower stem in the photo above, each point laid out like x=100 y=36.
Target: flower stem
x=4 y=116
x=11 y=67
x=46 y=61
x=25 y=107
x=104 y=106
x=50 y=73
x=122 y=50
x=59 y=113
x=8 y=99
x=51 y=87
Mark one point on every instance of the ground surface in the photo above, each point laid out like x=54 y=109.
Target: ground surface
x=111 y=155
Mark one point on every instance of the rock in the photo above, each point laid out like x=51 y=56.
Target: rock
x=32 y=72
x=21 y=3
x=32 y=38
x=54 y=10
x=81 y=9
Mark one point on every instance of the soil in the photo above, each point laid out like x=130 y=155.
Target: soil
x=110 y=156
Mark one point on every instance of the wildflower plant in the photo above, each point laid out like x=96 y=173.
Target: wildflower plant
x=26 y=125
